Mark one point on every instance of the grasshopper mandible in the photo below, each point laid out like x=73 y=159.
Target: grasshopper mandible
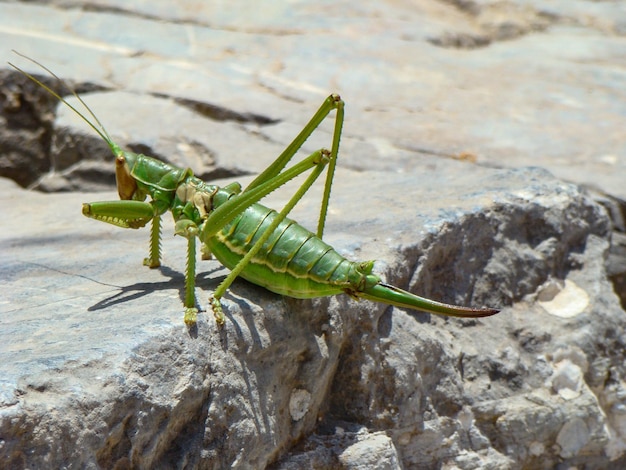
x=259 y=244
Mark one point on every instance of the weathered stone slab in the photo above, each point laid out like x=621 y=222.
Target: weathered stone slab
x=539 y=84
x=95 y=348
x=98 y=367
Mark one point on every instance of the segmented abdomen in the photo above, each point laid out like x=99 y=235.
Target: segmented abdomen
x=293 y=261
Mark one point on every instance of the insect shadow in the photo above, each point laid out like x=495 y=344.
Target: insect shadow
x=176 y=281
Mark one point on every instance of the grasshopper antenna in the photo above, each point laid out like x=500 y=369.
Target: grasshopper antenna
x=99 y=128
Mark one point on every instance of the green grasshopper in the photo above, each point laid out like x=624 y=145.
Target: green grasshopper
x=257 y=243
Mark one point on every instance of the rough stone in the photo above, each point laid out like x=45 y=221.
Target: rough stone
x=451 y=108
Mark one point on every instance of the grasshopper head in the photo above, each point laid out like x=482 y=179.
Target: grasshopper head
x=126 y=184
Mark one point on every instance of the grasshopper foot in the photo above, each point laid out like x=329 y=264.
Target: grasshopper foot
x=206 y=252
x=151 y=263
x=217 y=311
x=191 y=316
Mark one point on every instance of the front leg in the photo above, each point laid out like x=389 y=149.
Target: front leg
x=154 y=258
x=130 y=214
x=125 y=214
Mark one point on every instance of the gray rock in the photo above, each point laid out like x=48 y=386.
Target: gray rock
x=99 y=370
x=96 y=350
x=543 y=92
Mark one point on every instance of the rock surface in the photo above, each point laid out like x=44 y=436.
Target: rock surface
x=451 y=109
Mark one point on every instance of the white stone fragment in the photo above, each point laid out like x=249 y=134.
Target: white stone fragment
x=536 y=448
x=374 y=451
x=569 y=302
x=572 y=437
x=466 y=418
x=567 y=379
x=299 y=403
